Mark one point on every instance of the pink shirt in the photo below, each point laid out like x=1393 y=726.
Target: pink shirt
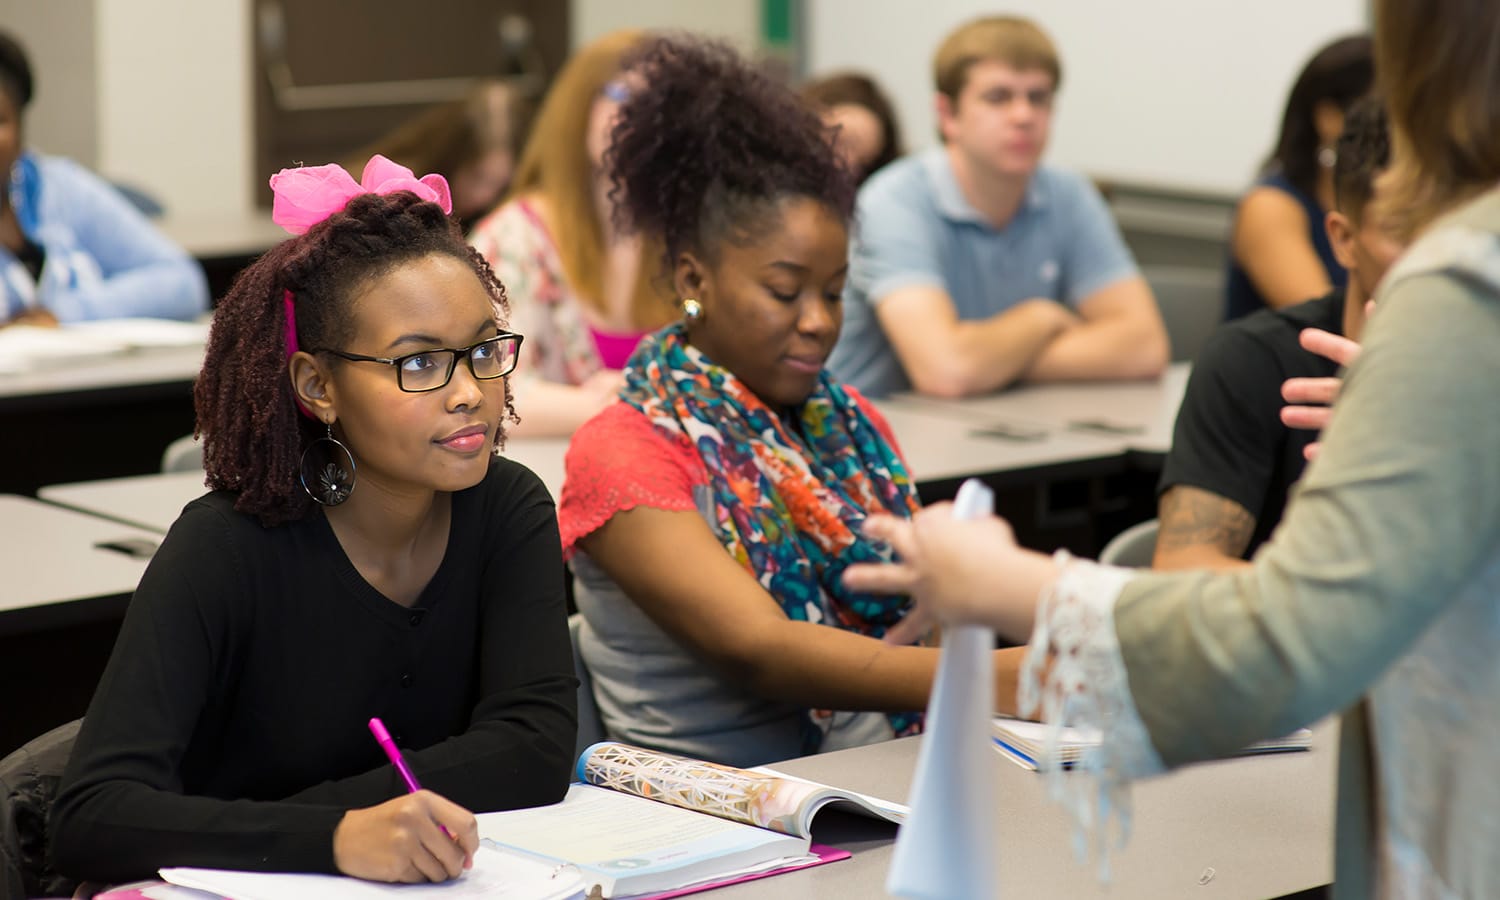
x=615 y=347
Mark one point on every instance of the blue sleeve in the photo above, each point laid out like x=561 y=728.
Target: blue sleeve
x=142 y=273
x=893 y=244
x=1094 y=255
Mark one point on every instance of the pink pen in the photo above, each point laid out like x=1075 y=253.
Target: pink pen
x=393 y=753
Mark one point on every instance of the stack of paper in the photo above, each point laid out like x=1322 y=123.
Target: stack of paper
x=27 y=348
x=1026 y=742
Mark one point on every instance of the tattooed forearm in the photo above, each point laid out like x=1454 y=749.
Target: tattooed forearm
x=1192 y=518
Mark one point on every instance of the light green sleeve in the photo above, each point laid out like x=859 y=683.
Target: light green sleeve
x=1400 y=510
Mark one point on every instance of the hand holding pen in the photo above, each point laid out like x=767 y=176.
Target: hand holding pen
x=414 y=838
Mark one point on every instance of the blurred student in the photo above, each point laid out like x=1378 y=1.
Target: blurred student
x=973 y=265
x=470 y=141
x=1279 y=253
x=72 y=248
x=866 y=134
x=1233 y=461
x=583 y=292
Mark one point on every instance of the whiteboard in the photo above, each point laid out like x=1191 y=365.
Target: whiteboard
x=1173 y=93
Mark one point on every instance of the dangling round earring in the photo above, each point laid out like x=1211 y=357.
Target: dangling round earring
x=692 y=310
x=1327 y=156
x=327 y=479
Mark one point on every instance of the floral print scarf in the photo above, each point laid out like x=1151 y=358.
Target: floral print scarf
x=789 y=493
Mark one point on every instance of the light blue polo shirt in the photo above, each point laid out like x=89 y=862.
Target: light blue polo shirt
x=913 y=227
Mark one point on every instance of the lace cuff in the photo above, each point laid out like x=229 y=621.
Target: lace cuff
x=1087 y=689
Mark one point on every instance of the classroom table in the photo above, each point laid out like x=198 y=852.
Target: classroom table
x=940 y=446
x=1138 y=413
x=61 y=602
x=105 y=416
x=1250 y=828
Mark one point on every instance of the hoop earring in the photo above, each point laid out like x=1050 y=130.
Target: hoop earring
x=692 y=310
x=331 y=480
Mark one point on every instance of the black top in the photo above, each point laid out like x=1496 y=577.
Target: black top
x=1242 y=297
x=1229 y=438
x=229 y=728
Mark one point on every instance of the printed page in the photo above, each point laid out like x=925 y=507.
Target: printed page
x=623 y=837
x=825 y=795
x=496 y=875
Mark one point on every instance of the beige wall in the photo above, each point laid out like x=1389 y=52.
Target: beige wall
x=59 y=38
x=737 y=21
x=175 y=100
x=158 y=93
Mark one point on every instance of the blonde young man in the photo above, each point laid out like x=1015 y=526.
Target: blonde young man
x=973 y=265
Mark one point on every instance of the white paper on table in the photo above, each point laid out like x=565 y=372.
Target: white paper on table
x=496 y=874
x=947 y=847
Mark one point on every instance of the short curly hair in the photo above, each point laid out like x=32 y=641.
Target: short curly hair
x=253 y=434
x=711 y=144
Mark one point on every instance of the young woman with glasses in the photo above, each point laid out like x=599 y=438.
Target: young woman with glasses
x=364 y=553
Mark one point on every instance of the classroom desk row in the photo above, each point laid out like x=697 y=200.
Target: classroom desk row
x=1251 y=827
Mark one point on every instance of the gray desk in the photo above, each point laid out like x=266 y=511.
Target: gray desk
x=940 y=445
x=105 y=417
x=61 y=603
x=153 y=502
x=139 y=373
x=1244 y=828
x=52 y=568
x=1138 y=413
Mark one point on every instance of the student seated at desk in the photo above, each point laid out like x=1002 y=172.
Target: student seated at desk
x=1233 y=461
x=71 y=247
x=581 y=289
x=1279 y=253
x=710 y=511
x=973 y=265
x=364 y=553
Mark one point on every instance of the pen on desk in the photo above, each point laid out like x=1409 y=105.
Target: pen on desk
x=393 y=753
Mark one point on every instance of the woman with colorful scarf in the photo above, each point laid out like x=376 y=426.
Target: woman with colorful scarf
x=710 y=512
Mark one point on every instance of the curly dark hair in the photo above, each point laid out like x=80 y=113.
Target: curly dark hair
x=1364 y=151
x=707 y=149
x=253 y=434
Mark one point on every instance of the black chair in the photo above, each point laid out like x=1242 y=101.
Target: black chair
x=28 y=785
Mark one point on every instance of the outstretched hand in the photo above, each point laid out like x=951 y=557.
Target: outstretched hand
x=955 y=571
x=1312 y=398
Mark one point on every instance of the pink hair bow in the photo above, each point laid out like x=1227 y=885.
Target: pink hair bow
x=307 y=195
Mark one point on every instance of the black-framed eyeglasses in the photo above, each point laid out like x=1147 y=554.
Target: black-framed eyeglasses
x=428 y=370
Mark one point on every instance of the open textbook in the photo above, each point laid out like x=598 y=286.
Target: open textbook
x=643 y=822
x=1026 y=742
